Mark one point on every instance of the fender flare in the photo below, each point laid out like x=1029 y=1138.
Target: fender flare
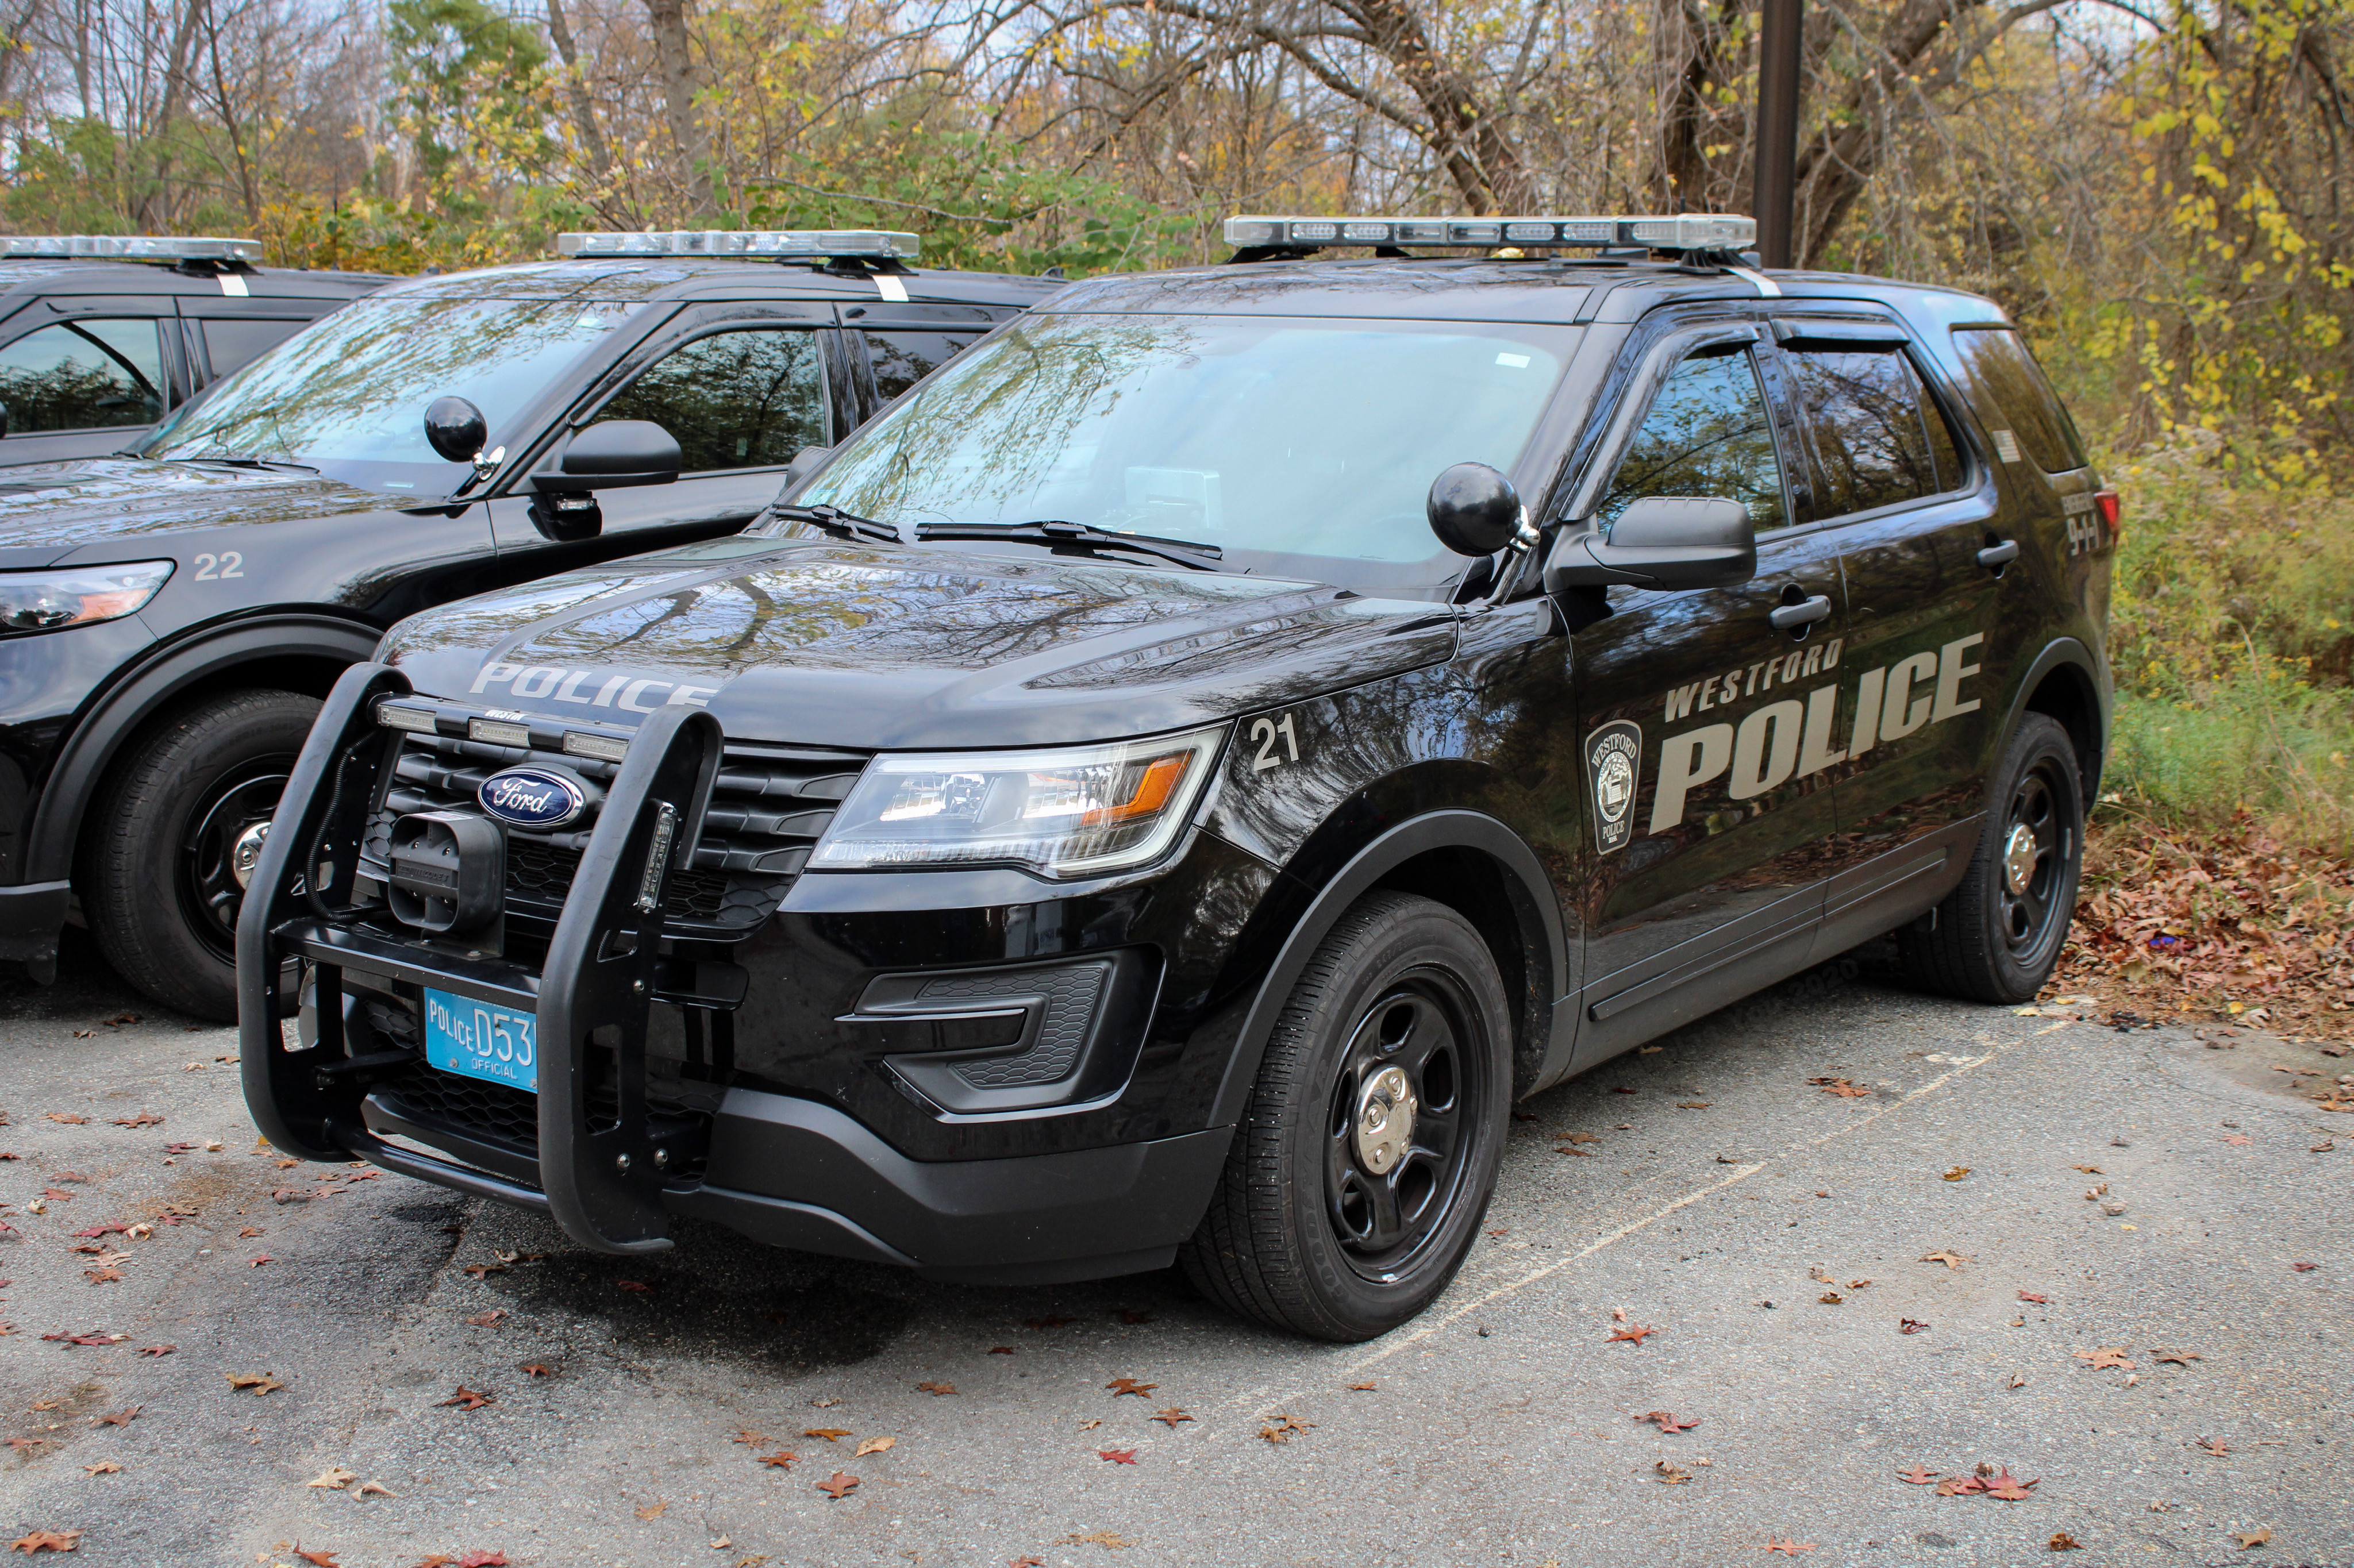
x=1378 y=857
x=2070 y=652
x=99 y=735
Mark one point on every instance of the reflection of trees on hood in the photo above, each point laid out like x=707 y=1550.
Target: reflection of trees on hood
x=1028 y=391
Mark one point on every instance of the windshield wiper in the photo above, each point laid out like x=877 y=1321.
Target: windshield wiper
x=1057 y=531
x=243 y=459
x=839 y=523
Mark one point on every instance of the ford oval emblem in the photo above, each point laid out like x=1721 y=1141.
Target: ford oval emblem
x=538 y=798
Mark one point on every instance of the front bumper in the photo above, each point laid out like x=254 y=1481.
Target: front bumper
x=612 y=1154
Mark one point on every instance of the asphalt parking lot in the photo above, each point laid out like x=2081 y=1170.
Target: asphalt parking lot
x=2152 y=1372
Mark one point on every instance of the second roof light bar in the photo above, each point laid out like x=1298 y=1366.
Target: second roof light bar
x=816 y=244
x=1684 y=232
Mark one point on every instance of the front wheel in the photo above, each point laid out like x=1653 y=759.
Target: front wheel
x=172 y=840
x=1370 y=1142
x=1997 y=937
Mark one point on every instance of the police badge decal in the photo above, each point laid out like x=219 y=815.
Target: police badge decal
x=1613 y=762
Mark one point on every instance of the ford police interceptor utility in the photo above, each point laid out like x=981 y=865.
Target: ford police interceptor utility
x=1162 y=791
x=100 y=334
x=169 y=621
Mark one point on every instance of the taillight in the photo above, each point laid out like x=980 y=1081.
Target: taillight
x=2111 y=510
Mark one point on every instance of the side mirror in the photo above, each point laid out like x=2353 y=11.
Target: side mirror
x=1473 y=509
x=616 y=453
x=455 y=428
x=1660 y=542
x=805 y=462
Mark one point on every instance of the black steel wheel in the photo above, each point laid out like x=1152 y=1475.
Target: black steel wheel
x=1374 y=1129
x=171 y=841
x=1998 y=937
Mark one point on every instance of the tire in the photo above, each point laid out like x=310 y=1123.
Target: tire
x=158 y=884
x=1997 y=937
x=1316 y=1230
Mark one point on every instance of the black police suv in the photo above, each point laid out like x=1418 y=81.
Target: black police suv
x=101 y=335
x=1166 y=787
x=169 y=621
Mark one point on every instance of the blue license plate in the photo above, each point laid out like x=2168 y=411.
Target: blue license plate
x=481 y=1041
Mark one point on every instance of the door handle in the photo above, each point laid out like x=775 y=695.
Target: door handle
x=1790 y=617
x=1994 y=558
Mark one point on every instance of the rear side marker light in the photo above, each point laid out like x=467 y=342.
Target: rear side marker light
x=2113 y=510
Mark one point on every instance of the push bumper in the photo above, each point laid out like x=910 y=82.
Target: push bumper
x=614 y=1174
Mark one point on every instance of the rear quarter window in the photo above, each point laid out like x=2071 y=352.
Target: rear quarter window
x=2015 y=399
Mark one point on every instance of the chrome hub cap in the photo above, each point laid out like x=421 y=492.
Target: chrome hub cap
x=246 y=852
x=1384 y=1123
x=2018 y=857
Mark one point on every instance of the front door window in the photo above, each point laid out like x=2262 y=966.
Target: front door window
x=83 y=375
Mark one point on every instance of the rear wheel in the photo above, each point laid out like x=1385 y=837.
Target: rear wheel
x=1997 y=937
x=1370 y=1145
x=172 y=840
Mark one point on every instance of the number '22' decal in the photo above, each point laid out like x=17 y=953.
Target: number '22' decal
x=228 y=563
x=1264 y=731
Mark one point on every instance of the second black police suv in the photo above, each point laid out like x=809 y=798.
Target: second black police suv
x=170 y=620
x=1163 y=790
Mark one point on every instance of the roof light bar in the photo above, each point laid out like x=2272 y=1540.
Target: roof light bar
x=1684 y=231
x=128 y=248
x=747 y=242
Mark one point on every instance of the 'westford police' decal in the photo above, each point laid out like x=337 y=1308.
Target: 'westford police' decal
x=591 y=688
x=538 y=798
x=1613 y=762
x=1792 y=738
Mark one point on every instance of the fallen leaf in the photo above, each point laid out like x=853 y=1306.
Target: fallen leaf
x=1916 y=1476
x=119 y=1417
x=2250 y=1539
x=260 y=1382
x=101 y=1276
x=373 y=1489
x=654 y=1510
x=470 y=1399
x=2177 y=1358
x=67 y=1118
x=103 y=1468
x=536 y=1369
x=158 y=1350
x=831 y=1434
x=1001 y=1349
x=874 y=1445
x=1959 y=1486
x=485 y=1319
x=2106 y=1358
x=1283 y=1433
x=1691 y=1104
x=1027 y=1562
x=1633 y=1334
x=1952 y=1260
x=1858 y=1284
x=2214 y=1446
x=2032 y=1296
x=145 y=1119
x=2235 y=1137
x=1841 y=1087
x=1361 y=1388
x=1669 y=1476
x=1911 y=1326
x=258 y=1262
x=26 y=1445
x=1831 y=1299
x=936 y=1390
x=1104 y=1538
x=1666 y=1422
x=48 y=1540
x=1788 y=1548
x=2305 y=1268
x=318 y=1557
x=483 y=1560
x=1118 y=1456
x=781 y=1460
x=2063 y=1541
x=1089 y=1426
x=2008 y=1488
x=55 y=1196
x=334 y=1478
x=749 y=1438
x=1957 y=1172
x=2088 y=1170
x=838 y=1487
x=1120 y=1385
x=633 y=1284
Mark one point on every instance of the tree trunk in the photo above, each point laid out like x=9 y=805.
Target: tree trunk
x=584 y=114
x=676 y=57
x=1839 y=160
x=1482 y=161
x=155 y=207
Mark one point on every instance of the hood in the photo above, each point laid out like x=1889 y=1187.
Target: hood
x=48 y=510
x=877 y=647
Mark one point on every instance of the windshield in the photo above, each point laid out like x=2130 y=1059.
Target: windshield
x=347 y=395
x=1299 y=448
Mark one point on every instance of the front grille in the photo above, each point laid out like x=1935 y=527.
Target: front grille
x=768 y=808
x=491 y=1110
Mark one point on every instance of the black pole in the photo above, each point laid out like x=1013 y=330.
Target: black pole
x=1776 y=194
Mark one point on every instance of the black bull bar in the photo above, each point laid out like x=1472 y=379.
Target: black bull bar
x=602 y=1180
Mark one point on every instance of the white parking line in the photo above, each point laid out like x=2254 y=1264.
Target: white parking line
x=1252 y=1400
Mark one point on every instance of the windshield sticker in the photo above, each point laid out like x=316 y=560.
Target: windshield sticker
x=1792 y=738
x=591 y=688
x=1613 y=762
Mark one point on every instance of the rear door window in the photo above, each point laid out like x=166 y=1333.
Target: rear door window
x=900 y=358
x=2017 y=402
x=735 y=399
x=83 y=375
x=1880 y=439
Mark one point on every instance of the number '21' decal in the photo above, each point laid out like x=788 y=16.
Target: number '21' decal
x=228 y=563
x=1264 y=731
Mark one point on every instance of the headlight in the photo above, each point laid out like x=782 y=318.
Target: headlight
x=1071 y=811
x=41 y=601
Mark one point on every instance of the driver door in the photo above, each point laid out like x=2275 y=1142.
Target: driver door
x=1705 y=725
